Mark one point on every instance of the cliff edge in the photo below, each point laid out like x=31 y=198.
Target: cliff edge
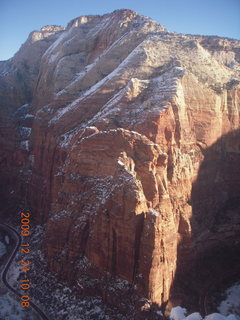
x=112 y=120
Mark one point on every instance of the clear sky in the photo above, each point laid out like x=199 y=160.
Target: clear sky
x=210 y=17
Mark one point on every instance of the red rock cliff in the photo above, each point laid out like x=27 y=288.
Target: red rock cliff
x=124 y=113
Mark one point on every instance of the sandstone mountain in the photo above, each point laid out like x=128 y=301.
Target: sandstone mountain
x=123 y=140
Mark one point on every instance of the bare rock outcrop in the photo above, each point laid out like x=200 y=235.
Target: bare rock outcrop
x=123 y=115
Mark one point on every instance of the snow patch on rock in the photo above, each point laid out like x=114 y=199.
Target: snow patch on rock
x=3 y=249
x=232 y=302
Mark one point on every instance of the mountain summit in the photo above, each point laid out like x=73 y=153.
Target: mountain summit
x=122 y=138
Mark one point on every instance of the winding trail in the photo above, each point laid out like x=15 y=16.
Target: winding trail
x=8 y=264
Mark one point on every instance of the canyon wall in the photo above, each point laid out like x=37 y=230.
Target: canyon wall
x=123 y=153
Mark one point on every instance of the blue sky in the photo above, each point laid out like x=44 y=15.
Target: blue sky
x=211 y=17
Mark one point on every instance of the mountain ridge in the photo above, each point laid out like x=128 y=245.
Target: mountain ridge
x=110 y=123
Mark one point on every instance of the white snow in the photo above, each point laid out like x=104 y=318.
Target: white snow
x=29 y=116
x=61 y=112
x=136 y=133
x=79 y=76
x=3 y=249
x=232 y=317
x=4 y=73
x=24 y=145
x=215 y=316
x=24 y=106
x=100 y=26
x=164 y=86
x=98 y=85
x=57 y=42
x=232 y=302
x=178 y=313
x=13 y=274
x=89 y=67
x=66 y=138
x=53 y=57
x=154 y=212
x=61 y=214
x=162 y=89
x=194 y=316
x=12 y=310
x=75 y=176
x=94 y=312
x=25 y=132
x=6 y=239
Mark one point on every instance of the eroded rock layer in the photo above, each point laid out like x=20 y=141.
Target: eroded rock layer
x=116 y=134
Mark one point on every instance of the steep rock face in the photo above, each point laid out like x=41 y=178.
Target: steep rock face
x=124 y=112
x=210 y=258
x=18 y=78
x=19 y=74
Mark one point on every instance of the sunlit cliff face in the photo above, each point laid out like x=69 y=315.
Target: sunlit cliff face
x=126 y=165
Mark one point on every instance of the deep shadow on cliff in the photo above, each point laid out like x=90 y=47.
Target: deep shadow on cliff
x=209 y=260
